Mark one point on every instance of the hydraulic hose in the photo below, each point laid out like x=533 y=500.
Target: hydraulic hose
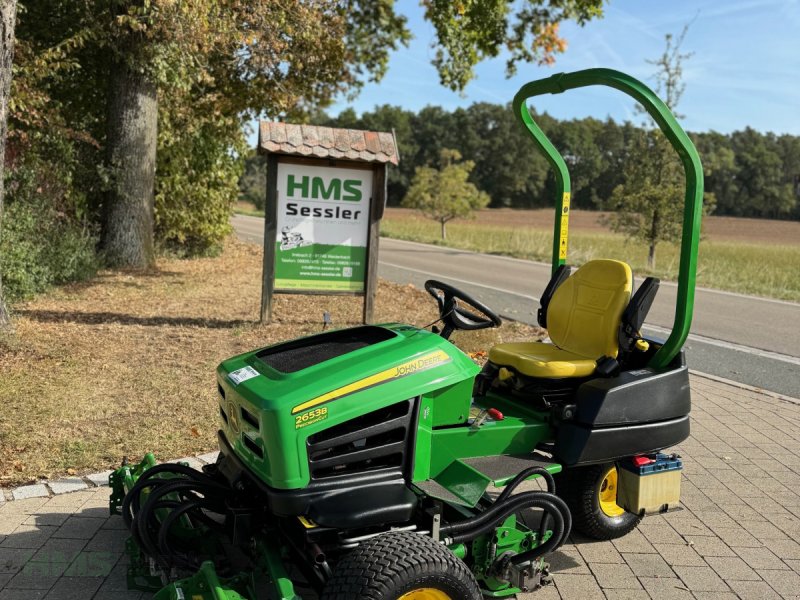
x=490 y=514
x=539 y=501
x=522 y=476
x=191 y=491
x=147 y=514
x=131 y=500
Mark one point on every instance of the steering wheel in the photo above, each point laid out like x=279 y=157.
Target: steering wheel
x=455 y=316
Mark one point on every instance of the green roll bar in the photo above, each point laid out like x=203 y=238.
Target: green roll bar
x=693 y=206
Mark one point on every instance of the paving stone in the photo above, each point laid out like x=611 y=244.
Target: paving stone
x=210 y=457
x=10 y=594
x=611 y=576
x=615 y=594
x=37 y=490
x=599 y=552
x=709 y=546
x=584 y=587
x=79 y=528
x=28 y=536
x=680 y=554
x=785 y=548
x=636 y=542
x=99 y=479
x=567 y=559
x=666 y=588
x=662 y=533
x=786 y=583
x=37 y=575
x=648 y=565
x=10 y=521
x=701 y=579
x=59 y=550
x=74 y=588
x=63 y=486
x=111 y=540
x=13 y=559
x=754 y=589
x=760 y=558
x=115 y=522
x=730 y=568
x=93 y=564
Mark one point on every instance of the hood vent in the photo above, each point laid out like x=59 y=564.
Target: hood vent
x=306 y=352
x=377 y=440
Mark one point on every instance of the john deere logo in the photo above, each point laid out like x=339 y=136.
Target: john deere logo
x=233 y=418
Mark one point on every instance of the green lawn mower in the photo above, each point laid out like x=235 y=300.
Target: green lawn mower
x=364 y=462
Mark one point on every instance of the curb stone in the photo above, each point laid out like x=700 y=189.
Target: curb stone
x=45 y=489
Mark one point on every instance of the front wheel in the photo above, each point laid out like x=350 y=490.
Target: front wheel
x=591 y=494
x=401 y=565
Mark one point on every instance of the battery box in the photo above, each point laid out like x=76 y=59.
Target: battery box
x=649 y=484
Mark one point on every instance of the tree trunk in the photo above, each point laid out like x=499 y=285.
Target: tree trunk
x=653 y=239
x=444 y=229
x=132 y=129
x=8 y=12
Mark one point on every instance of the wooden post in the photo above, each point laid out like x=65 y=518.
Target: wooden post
x=376 y=207
x=270 y=236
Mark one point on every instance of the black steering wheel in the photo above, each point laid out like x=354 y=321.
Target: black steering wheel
x=455 y=316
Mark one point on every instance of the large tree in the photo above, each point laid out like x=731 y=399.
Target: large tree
x=281 y=55
x=648 y=204
x=8 y=13
x=445 y=194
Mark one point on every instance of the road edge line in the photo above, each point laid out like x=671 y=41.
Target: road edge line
x=744 y=386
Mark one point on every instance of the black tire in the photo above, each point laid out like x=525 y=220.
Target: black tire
x=580 y=487
x=393 y=564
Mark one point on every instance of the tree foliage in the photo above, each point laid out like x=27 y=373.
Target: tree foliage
x=648 y=204
x=514 y=174
x=468 y=31
x=445 y=194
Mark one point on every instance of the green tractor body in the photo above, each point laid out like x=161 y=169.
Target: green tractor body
x=385 y=444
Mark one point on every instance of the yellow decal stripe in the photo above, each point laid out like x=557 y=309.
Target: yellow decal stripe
x=564 y=234
x=407 y=368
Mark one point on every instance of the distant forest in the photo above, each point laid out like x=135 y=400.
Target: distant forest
x=750 y=174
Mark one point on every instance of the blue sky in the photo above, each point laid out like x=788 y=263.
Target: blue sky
x=745 y=70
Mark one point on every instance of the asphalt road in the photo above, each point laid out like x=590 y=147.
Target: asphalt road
x=743 y=338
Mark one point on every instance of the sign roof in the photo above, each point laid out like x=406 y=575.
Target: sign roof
x=327 y=142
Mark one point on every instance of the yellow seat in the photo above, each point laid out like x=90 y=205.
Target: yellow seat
x=583 y=320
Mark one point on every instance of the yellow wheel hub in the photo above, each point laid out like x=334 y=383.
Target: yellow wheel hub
x=425 y=594
x=608 y=494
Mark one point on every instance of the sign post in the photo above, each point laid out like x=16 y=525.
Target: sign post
x=326 y=191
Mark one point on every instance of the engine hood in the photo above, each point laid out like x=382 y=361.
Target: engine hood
x=277 y=397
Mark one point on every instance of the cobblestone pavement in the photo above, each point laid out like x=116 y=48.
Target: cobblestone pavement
x=737 y=537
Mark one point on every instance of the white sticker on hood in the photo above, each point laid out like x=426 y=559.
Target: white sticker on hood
x=243 y=374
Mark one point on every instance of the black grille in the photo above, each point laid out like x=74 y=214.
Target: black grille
x=377 y=440
x=301 y=354
x=250 y=418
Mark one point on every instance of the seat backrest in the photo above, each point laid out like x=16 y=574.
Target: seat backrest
x=584 y=314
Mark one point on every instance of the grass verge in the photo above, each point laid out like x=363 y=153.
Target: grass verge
x=124 y=363
x=758 y=269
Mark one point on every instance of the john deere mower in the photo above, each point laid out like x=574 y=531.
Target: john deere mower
x=381 y=462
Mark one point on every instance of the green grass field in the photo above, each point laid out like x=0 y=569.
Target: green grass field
x=759 y=269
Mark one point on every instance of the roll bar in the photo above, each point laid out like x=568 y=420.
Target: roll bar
x=693 y=203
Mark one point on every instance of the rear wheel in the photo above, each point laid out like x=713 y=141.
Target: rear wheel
x=591 y=494
x=401 y=565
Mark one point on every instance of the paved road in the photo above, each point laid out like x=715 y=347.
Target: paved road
x=737 y=536
x=743 y=338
